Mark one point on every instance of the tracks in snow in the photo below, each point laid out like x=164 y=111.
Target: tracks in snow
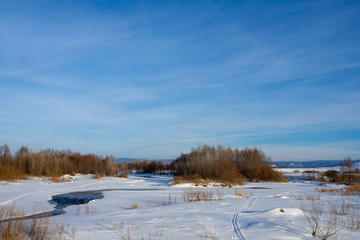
x=247 y=204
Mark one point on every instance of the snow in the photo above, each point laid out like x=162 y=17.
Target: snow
x=269 y=211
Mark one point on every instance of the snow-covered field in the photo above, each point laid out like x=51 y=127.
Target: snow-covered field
x=149 y=207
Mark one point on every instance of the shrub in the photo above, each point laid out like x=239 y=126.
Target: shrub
x=353 y=217
x=240 y=193
x=57 y=179
x=332 y=175
x=134 y=206
x=323 y=225
x=267 y=173
x=200 y=181
x=197 y=195
x=326 y=190
x=7 y=173
x=97 y=176
x=353 y=190
x=178 y=180
x=123 y=175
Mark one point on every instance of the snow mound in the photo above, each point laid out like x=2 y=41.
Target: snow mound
x=184 y=185
x=69 y=178
x=283 y=197
x=287 y=211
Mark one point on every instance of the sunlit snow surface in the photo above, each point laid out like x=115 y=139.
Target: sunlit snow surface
x=270 y=210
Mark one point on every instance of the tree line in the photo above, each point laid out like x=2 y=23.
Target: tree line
x=51 y=162
x=226 y=164
x=204 y=162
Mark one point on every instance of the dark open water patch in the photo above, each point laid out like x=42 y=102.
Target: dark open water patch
x=74 y=198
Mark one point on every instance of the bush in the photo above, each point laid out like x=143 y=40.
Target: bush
x=322 y=225
x=266 y=173
x=134 y=206
x=97 y=176
x=123 y=175
x=7 y=173
x=240 y=193
x=353 y=190
x=57 y=179
x=332 y=175
x=178 y=180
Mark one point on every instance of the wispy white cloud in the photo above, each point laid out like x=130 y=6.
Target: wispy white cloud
x=156 y=81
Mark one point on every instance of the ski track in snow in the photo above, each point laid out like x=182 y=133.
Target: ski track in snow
x=246 y=205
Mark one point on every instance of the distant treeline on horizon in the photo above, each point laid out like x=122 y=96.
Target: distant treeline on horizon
x=309 y=164
x=281 y=164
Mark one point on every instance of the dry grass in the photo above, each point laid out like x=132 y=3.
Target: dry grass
x=129 y=231
x=205 y=182
x=299 y=198
x=326 y=190
x=240 y=193
x=308 y=198
x=199 y=195
x=97 y=176
x=58 y=179
x=86 y=209
x=78 y=210
x=14 y=226
x=312 y=198
x=170 y=201
x=353 y=217
x=9 y=174
x=114 y=228
x=123 y=175
x=134 y=206
x=209 y=233
x=178 y=180
x=353 y=190
x=201 y=182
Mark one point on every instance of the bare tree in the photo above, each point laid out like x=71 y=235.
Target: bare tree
x=333 y=223
x=347 y=168
x=23 y=152
x=312 y=212
x=324 y=225
x=5 y=155
x=5 y=151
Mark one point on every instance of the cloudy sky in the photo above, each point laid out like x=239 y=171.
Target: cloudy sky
x=152 y=79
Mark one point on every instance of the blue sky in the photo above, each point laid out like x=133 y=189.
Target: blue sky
x=152 y=79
